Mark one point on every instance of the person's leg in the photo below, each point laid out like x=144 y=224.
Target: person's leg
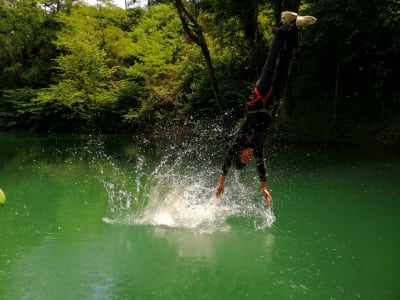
x=285 y=60
x=284 y=64
x=266 y=78
x=281 y=49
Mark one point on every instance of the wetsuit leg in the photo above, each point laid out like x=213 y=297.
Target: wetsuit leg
x=266 y=78
x=284 y=64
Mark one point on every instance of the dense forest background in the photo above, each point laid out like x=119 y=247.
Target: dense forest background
x=66 y=66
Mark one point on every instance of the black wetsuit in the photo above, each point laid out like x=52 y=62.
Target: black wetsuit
x=268 y=91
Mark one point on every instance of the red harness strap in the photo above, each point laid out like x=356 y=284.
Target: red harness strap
x=258 y=96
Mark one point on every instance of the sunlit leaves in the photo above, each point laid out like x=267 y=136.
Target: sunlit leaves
x=86 y=82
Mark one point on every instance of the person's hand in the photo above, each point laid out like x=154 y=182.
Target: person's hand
x=219 y=191
x=266 y=194
x=220 y=187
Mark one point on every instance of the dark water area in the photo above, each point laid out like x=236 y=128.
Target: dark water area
x=121 y=217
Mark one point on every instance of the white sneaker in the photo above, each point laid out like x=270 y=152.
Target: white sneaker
x=303 y=21
x=287 y=17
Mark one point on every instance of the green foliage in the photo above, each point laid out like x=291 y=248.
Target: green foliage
x=15 y=108
x=25 y=32
x=158 y=52
x=68 y=66
x=86 y=88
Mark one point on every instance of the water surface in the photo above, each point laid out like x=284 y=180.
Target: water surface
x=106 y=217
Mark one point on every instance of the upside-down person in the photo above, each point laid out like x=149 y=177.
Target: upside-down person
x=249 y=140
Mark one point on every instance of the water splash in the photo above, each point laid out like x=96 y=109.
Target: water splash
x=194 y=207
x=178 y=190
x=176 y=210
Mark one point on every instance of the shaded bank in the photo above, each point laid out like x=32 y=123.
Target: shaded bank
x=375 y=135
x=280 y=132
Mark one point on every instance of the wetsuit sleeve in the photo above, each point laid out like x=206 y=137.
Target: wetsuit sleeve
x=259 y=157
x=228 y=160
x=226 y=165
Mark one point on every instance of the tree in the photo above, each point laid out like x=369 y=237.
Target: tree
x=86 y=88
x=156 y=56
x=26 y=32
x=195 y=32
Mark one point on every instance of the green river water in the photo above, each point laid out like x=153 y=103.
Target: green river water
x=108 y=217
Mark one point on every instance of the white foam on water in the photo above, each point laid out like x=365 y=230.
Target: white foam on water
x=177 y=208
x=268 y=219
x=192 y=207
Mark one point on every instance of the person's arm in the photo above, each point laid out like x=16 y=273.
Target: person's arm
x=220 y=186
x=225 y=168
x=259 y=156
x=266 y=194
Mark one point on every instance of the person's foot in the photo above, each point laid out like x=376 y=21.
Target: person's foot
x=304 y=21
x=290 y=18
x=287 y=17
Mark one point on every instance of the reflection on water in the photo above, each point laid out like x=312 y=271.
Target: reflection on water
x=94 y=217
x=188 y=244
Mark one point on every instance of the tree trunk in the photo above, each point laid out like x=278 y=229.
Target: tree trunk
x=195 y=33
